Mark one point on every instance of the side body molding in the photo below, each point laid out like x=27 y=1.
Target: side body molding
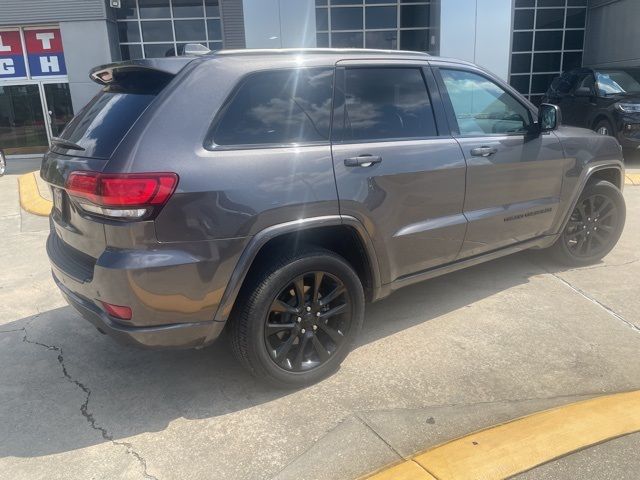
x=269 y=233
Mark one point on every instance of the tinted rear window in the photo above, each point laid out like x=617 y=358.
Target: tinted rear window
x=278 y=107
x=101 y=125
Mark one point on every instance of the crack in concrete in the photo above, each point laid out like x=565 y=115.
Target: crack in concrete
x=84 y=408
x=366 y=424
x=608 y=309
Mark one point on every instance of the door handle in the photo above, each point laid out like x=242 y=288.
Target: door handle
x=483 y=151
x=364 y=160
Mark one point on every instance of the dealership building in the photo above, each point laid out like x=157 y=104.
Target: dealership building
x=47 y=47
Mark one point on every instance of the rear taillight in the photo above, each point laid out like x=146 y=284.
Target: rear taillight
x=124 y=196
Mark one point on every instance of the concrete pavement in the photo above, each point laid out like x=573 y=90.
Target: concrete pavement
x=435 y=361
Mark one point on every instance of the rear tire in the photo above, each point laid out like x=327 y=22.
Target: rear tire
x=297 y=319
x=594 y=227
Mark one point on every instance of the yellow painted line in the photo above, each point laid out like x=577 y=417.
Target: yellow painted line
x=408 y=470
x=632 y=179
x=30 y=198
x=510 y=448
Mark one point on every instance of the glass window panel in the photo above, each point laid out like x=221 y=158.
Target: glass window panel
x=321 y=2
x=154 y=9
x=387 y=103
x=345 y=2
x=549 y=40
x=128 y=32
x=187 y=8
x=525 y=3
x=22 y=127
x=540 y=82
x=190 y=30
x=520 y=83
x=520 y=63
x=279 y=107
x=550 y=18
x=157 y=31
x=212 y=8
x=127 y=10
x=59 y=104
x=523 y=19
x=550 y=3
x=571 y=60
x=577 y=3
x=576 y=17
x=322 y=19
x=381 y=17
x=346 y=18
x=322 y=40
x=546 y=62
x=482 y=107
x=384 y=40
x=346 y=39
x=522 y=41
x=156 y=50
x=574 y=39
x=129 y=52
x=215 y=29
x=414 y=16
x=373 y=2
x=415 y=40
x=215 y=46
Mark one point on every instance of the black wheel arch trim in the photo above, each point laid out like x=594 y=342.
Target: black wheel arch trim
x=261 y=238
x=586 y=176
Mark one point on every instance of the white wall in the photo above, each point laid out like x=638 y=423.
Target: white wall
x=478 y=31
x=279 y=23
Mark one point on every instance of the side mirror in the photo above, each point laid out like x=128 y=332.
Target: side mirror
x=583 y=92
x=549 y=117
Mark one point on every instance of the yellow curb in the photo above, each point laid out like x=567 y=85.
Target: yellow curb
x=632 y=179
x=30 y=198
x=510 y=448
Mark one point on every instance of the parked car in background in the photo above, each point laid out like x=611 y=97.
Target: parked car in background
x=272 y=193
x=606 y=100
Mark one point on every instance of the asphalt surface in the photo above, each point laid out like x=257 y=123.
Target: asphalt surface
x=435 y=361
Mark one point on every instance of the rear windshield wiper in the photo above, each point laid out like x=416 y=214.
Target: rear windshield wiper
x=61 y=142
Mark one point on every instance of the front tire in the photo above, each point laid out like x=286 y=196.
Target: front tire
x=297 y=319
x=594 y=227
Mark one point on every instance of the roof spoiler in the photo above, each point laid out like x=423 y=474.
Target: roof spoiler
x=113 y=73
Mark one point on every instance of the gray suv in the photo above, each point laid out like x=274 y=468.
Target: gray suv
x=273 y=193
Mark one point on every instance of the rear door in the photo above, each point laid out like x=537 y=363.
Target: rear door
x=513 y=177
x=397 y=168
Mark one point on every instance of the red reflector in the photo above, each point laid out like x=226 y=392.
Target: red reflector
x=118 y=311
x=122 y=190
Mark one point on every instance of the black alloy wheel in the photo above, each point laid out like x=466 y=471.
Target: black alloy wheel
x=308 y=321
x=591 y=226
x=594 y=227
x=297 y=317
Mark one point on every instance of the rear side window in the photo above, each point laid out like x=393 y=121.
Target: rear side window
x=386 y=103
x=278 y=107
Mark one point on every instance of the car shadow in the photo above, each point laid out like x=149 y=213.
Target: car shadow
x=127 y=391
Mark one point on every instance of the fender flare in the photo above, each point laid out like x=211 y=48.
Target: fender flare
x=261 y=238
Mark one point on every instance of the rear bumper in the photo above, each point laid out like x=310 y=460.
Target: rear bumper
x=172 y=290
x=180 y=335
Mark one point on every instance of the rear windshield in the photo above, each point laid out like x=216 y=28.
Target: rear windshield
x=100 y=126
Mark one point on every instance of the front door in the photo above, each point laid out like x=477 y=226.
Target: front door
x=513 y=177
x=394 y=173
